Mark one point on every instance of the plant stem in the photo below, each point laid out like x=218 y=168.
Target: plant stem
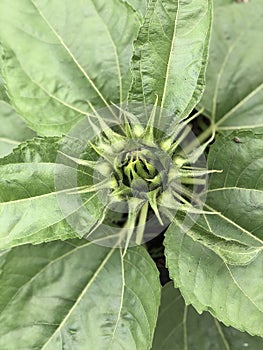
x=206 y=134
x=141 y=223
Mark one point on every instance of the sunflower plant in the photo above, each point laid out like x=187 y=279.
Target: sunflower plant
x=131 y=137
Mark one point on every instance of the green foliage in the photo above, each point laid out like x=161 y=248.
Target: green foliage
x=162 y=66
x=109 y=86
x=181 y=327
x=30 y=211
x=234 y=91
x=235 y=197
x=52 y=65
x=78 y=295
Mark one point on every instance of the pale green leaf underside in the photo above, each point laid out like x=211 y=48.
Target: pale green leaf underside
x=206 y=278
x=29 y=207
x=75 y=295
x=170 y=55
x=12 y=129
x=181 y=327
x=234 y=91
x=59 y=55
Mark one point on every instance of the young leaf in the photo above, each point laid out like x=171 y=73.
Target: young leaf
x=13 y=130
x=161 y=64
x=59 y=55
x=76 y=295
x=234 y=91
x=29 y=208
x=181 y=327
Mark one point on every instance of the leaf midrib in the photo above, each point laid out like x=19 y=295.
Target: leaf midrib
x=115 y=49
x=9 y=141
x=238 y=105
x=43 y=269
x=42 y=195
x=170 y=56
x=234 y=189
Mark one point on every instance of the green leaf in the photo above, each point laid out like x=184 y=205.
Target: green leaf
x=59 y=55
x=181 y=327
x=228 y=292
x=76 y=295
x=170 y=55
x=231 y=251
x=30 y=211
x=13 y=130
x=234 y=90
x=235 y=197
x=237 y=192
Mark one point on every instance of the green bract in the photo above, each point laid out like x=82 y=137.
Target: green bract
x=143 y=173
x=107 y=168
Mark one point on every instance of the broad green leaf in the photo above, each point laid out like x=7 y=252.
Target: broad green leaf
x=181 y=327
x=237 y=192
x=170 y=55
x=232 y=252
x=76 y=295
x=234 y=90
x=233 y=294
x=60 y=54
x=12 y=130
x=235 y=199
x=29 y=207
